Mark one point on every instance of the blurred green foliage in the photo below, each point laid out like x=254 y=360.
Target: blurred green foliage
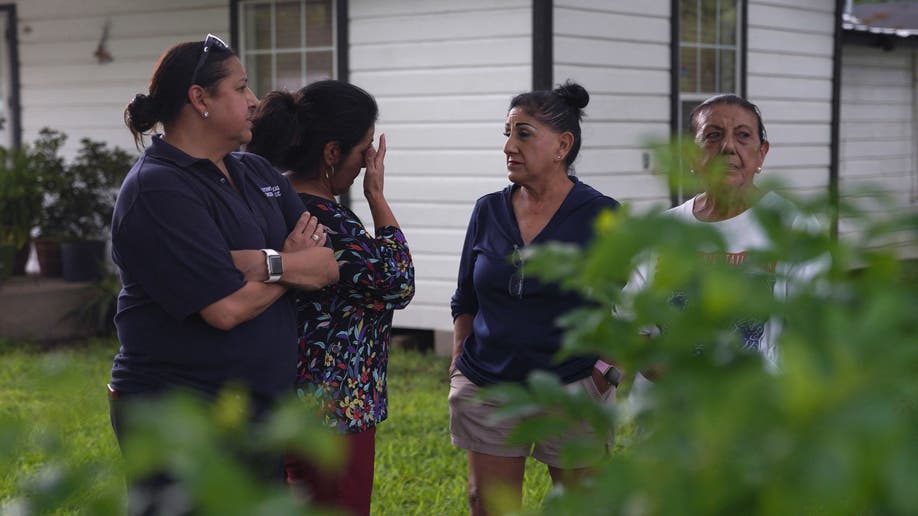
x=833 y=431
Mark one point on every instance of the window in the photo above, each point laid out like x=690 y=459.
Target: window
x=709 y=56
x=286 y=44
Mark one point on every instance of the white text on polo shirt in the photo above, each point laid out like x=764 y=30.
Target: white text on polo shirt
x=271 y=191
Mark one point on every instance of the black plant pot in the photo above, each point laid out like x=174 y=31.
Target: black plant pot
x=83 y=261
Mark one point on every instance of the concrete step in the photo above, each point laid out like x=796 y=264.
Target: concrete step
x=41 y=309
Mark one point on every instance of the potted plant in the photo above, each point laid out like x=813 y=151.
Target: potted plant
x=52 y=174
x=80 y=205
x=20 y=204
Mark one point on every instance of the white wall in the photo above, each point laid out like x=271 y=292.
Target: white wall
x=789 y=76
x=443 y=73
x=620 y=52
x=64 y=87
x=878 y=132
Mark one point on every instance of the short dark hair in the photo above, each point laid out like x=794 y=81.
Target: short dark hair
x=168 y=91
x=561 y=109
x=732 y=100
x=291 y=129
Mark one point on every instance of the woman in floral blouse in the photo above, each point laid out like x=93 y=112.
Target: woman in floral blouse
x=322 y=136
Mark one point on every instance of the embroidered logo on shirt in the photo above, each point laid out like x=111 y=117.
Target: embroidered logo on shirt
x=271 y=191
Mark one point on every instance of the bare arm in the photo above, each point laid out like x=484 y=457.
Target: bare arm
x=373 y=181
x=308 y=269
x=308 y=264
x=462 y=328
x=242 y=305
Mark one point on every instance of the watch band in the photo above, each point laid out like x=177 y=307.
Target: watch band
x=275 y=265
x=612 y=374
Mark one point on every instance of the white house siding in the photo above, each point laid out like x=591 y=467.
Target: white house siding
x=443 y=73
x=878 y=132
x=620 y=52
x=789 y=76
x=64 y=87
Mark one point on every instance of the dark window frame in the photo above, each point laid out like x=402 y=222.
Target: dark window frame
x=13 y=102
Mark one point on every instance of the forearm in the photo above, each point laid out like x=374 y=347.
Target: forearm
x=310 y=269
x=242 y=305
x=380 y=211
x=307 y=269
x=462 y=328
x=252 y=264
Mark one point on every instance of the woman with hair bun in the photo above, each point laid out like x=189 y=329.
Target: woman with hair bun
x=321 y=137
x=207 y=242
x=505 y=323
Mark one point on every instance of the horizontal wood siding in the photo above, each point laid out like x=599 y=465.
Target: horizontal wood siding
x=879 y=171
x=64 y=86
x=443 y=73
x=618 y=51
x=789 y=76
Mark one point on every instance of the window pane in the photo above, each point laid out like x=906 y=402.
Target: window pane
x=319 y=66
x=707 y=80
x=727 y=22
x=727 y=71
x=709 y=21
x=319 y=23
x=289 y=74
x=287 y=17
x=688 y=20
x=257 y=26
x=260 y=70
x=688 y=69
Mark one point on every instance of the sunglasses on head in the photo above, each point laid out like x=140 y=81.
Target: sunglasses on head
x=210 y=41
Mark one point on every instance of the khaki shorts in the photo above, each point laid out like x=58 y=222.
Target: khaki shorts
x=472 y=426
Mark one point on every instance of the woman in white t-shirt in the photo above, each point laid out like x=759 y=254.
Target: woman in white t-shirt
x=731 y=135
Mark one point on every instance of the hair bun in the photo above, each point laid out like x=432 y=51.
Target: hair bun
x=573 y=94
x=140 y=113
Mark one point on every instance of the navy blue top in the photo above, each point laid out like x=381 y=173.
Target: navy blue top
x=514 y=335
x=175 y=221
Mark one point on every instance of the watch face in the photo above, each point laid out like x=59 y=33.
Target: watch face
x=275 y=265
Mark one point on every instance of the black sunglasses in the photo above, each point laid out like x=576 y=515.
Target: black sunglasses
x=210 y=41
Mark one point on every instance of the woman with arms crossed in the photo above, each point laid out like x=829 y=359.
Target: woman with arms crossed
x=505 y=322
x=322 y=136
x=187 y=318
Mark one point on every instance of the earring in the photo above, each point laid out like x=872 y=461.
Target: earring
x=758 y=170
x=329 y=174
x=204 y=115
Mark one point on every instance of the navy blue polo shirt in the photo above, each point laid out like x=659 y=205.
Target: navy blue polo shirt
x=175 y=222
x=515 y=333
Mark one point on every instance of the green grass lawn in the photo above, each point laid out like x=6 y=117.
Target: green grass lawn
x=59 y=396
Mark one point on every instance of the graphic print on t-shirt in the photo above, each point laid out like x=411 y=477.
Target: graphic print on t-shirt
x=748 y=332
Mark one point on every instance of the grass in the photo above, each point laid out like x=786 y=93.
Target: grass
x=58 y=396
x=418 y=471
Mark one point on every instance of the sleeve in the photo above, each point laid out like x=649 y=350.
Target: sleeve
x=464 y=300
x=170 y=244
x=380 y=267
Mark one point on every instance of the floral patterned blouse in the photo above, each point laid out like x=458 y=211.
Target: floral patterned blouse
x=344 y=329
